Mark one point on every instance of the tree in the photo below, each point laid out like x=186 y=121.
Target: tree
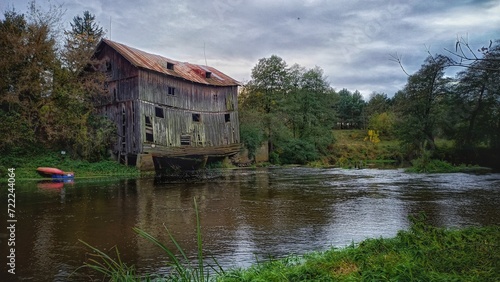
x=28 y=62
x=383 y=123
x=377 y=104
x=267 y=91
x=349 y=109
x=81 y=42
x=80 y=86
x=478 y=96
x=417 y=104
x=294 y=105
x=313 y=100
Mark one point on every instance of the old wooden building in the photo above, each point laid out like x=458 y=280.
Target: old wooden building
x=176 y=114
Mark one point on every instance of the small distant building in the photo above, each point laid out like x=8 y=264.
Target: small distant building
x=172 y=114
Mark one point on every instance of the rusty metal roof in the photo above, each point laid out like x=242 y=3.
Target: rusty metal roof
x=184 y=70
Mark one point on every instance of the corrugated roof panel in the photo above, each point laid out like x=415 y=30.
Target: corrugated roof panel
x=191 y=72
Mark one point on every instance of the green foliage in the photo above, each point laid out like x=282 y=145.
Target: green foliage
x=110 y=267
x=477 y=96
x=284 y=103
x=377 y=104
x=349 y=109
x=46 y=94
x=417 y=105
x=465 y=110
x=298 y=151
x=251 y=131
x=27 y=65
x=352 y=150
x=274 y=158
x=383 y=123
x=423 y=164
x=423 y=253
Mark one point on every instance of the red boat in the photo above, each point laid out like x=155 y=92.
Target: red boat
x=53 y=172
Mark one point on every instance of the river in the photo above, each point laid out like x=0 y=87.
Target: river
x=246 y=215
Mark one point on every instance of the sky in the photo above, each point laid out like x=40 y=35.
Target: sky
x=353 y=41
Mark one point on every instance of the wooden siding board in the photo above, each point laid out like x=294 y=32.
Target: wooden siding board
x=189 y=96
x=213 y=130
x=140 y=91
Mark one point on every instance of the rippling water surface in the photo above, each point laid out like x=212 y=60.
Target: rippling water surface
x=246 y=214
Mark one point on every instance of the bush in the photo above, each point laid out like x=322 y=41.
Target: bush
x=252 y=138
x=423 y=164
x=298 y=151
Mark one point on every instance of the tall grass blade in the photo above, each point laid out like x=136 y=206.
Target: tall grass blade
x=176 y=263
x=106 y=265
x=200 y=242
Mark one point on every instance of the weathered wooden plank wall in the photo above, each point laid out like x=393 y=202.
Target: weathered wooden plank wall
x=211 y=130
x=216 y=107
x=120 y=105
x=142 y=101
x=188 y=95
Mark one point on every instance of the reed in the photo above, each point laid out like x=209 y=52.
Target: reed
x=182 y=267
x=112 y=268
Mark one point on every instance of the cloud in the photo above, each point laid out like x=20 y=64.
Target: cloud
x=352 y=41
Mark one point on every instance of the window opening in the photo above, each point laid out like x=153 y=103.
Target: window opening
x=149 y=135
x=185 y=140
x=171 y=90
x=159 y=112
x=170 y=66
x=208 y=74
x=196 y=117
x=148 y=121
x=149 y=129
x=227 y=117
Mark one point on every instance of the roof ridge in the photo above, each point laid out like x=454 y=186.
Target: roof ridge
x=159 y=63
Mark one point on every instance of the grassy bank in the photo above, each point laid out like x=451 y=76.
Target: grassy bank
x=423 y=253
x=352 y=149
x=26 y=165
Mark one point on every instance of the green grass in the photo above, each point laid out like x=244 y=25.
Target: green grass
x=422 y=253
x=352 y=150
x=26 y=164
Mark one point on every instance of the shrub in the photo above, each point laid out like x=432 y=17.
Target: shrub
x=298 y=151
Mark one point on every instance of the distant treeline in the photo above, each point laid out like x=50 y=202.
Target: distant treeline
x=295 y=109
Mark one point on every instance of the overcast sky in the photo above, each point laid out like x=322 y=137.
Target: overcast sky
x=352 y=41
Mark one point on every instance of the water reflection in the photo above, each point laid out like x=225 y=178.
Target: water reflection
x=245 y=214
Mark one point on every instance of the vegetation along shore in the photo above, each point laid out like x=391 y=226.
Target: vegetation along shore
x=422 y=253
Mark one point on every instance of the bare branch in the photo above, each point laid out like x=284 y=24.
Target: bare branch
x=397 y=58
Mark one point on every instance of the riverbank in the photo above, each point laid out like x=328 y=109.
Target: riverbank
x=25 y=166
x=423 y=253
x=353 y=149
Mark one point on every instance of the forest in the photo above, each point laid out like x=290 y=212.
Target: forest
x=49 y=83
x=295 y=110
